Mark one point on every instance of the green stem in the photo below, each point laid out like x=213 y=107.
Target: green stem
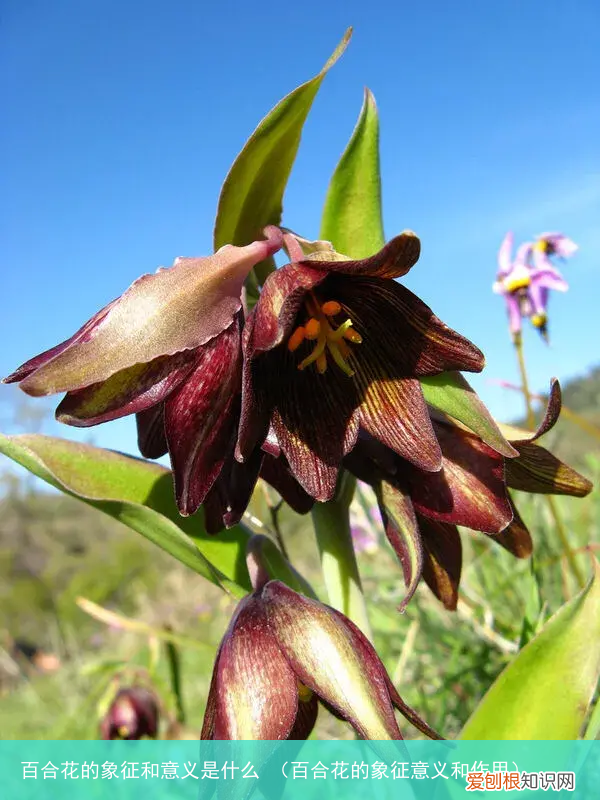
x=174 y=663
x=560 y=527
x=331 y=522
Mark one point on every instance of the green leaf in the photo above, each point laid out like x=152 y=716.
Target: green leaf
x=352 y=217
x=546 y=691
x=252 y=195
x=277 y=566
x=450 y=393
x=138 y=493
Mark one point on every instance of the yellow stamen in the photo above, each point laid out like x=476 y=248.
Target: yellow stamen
x=312 y=328
x=329 y=339
x=320 y=348
x=539 y=320
x=296 y=339
x=123 y=730
x=542 y=245
x=516 y=283
x=331 y=308
x=353 y=336
x=304 y=693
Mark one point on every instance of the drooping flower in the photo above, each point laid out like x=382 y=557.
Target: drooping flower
x=281 y=656
x=335 y=344
x=526 y=282
x=133 y=714
x=168 y=350
x=422 y=510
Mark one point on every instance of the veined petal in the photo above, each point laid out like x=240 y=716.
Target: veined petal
x=277 y=473
x=152 y=439
x=313 y=417
x=442 y=561
x=228 y=498
x=256 y=690
x=536 y=470
x=320 y=649
x=127 y=392
x=82 y=335
x=363 y=646
x=403 y=533
x=392 y=321
x=200 y=417
x=395 y=259
x=175 y=309
x=515 y=538
x=395 y=413
x=469 y=490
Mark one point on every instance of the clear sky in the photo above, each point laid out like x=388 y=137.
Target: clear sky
x=121 y=120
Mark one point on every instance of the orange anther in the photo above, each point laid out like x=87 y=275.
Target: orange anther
x=331 y=308
x=312 y=328
x=353 y=336
x=296 y=339
x=322 y=363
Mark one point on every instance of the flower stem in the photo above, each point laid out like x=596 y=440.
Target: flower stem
x=331 y=522
x=555 y=513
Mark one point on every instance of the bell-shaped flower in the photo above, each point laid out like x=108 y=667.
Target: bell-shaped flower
x=282 y=656
x=168 y=350
x=133 y=714
x=334 y=345
x=422 y=510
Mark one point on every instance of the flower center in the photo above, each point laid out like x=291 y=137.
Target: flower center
x=329 y=339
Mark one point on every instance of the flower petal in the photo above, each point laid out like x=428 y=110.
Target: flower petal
x=82 y=335
x=362 y=645
x=536 y=470
x=200 y=417
x=306 y=718
x=228 y=498
x=515 y=538
x=255 y=689
x=127 y=392
x=505 y=255
x=320 y=649
x=469 y=490
x=403 y=533
x=277 y=473
x=394 y=322
x=313 y=417
x=152 y=439
x=395 y=413
x=395 y=259
x=175 y=309
x=442 y=562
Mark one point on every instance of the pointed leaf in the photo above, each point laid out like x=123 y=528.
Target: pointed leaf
x=137 y=493
x=352 y=217
x=546 y=691
x=252 y=195
x=450 y=393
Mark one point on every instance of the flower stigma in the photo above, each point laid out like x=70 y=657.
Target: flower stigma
x=329 y=339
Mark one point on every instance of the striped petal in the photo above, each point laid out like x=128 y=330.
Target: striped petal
x=442 y=561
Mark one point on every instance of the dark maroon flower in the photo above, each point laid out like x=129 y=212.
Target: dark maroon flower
x=421 y=510
x=280 y=656
x=168 y=350
x=334 y=345
x=133 y=714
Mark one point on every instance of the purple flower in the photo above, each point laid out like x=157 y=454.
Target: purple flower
x=526 y=282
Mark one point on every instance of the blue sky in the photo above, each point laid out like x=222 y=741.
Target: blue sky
x=122 y=119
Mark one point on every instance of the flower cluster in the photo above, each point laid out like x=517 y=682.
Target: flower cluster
x=323 y=374
x=526 y=281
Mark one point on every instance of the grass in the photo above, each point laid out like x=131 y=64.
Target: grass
x=441 y=662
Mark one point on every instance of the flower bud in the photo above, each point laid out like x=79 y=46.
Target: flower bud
x=132 y=715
